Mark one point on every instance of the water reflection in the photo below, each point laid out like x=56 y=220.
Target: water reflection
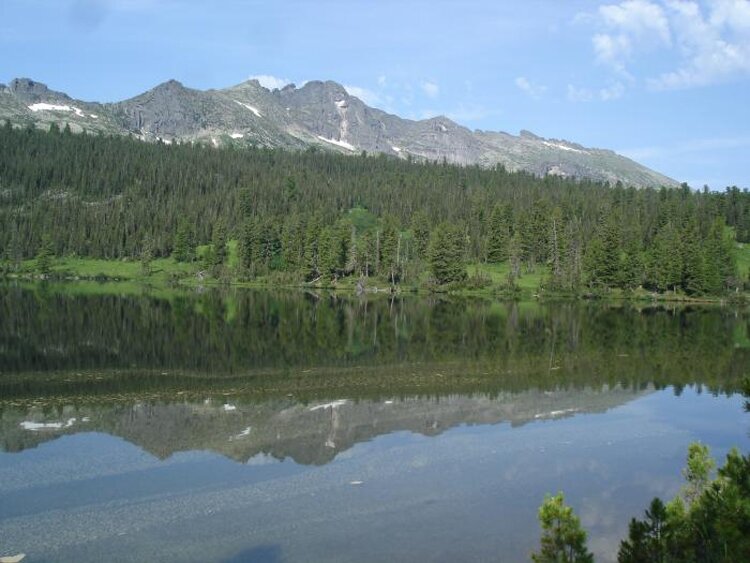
x=310 y=434
x=235 y=426
x=53 y=343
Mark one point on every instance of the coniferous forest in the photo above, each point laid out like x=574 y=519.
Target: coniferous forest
x=314 y=215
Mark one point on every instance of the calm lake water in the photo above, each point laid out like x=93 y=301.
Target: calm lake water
x=255 y=426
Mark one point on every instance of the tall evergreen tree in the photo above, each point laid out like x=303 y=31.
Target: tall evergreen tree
x=647 y=539
x=184 y=245
x=420 y=226
x=447 y=254
x=45 y=255
x=219 y=243
x=389 y=250
x=563 y=538
x=499 y=233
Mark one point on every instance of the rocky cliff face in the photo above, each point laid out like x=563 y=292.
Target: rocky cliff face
x=320 y=114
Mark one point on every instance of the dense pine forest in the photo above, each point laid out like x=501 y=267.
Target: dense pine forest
x=314 y=215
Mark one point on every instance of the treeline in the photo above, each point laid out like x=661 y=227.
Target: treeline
x=316 y=215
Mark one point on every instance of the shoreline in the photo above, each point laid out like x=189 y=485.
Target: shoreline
x=158 y=284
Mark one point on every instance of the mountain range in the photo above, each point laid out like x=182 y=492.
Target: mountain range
x=318 y=114
x=309 y=434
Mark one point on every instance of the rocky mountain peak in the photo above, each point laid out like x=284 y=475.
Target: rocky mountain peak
x=320 y=113
x=29 y=90
x=171 y=86
x=252 y=84
x=26 y=85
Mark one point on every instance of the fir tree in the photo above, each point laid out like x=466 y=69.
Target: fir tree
x=45 y=255
x=184 y=245
x=420 y=227
x=563 y=538
x=389 y=250
x=647 y=539
x=219 y=243
x=499 y=234
x=447 y=254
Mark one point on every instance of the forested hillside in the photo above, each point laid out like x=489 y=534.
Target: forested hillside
x=312 y=214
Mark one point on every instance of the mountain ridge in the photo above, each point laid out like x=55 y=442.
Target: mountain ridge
x=318 y=114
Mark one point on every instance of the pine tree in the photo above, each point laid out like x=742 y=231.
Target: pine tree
x=665 y=259
x=693 y=270
x=420 y=226
x=631 y=268
x=312 y=255
x=219 y=243
x=327 y=252
x=499 y=234
x=563 y=538
x=45 y=255
x=647 y=539
x=184 y=245
x=249 y=247
x=246 y=202
x=558 y=250
x=515 y=254
x=292 y=243
x=447 y=254
x=15 y=250
x=719 y=260
x=389 y=247
x=366 y=252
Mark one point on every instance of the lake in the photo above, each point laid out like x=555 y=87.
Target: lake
x=243 y=425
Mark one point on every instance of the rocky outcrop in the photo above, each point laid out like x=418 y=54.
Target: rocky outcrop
x=320 y=114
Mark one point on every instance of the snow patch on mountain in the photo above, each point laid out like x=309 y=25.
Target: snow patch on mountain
x=562 y=147
x=41 y=106
x=251 y=108
x=342 y=144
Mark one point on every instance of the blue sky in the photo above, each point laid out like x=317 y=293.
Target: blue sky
x=666 y=82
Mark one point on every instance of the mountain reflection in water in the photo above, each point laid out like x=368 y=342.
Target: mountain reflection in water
x=249 y=425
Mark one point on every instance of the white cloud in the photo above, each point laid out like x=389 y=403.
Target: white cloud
x=612 y=50
x=579 y=94
x=709 y=42
x=629 y=25
x=732 y=13
x=270 y=82
x=367 y=96
x=713 y=47
x=430 y=88
x=638 y=18
x=533 y=90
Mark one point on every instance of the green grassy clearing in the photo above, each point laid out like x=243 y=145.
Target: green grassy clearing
x=166 y=274
x=498 y=275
